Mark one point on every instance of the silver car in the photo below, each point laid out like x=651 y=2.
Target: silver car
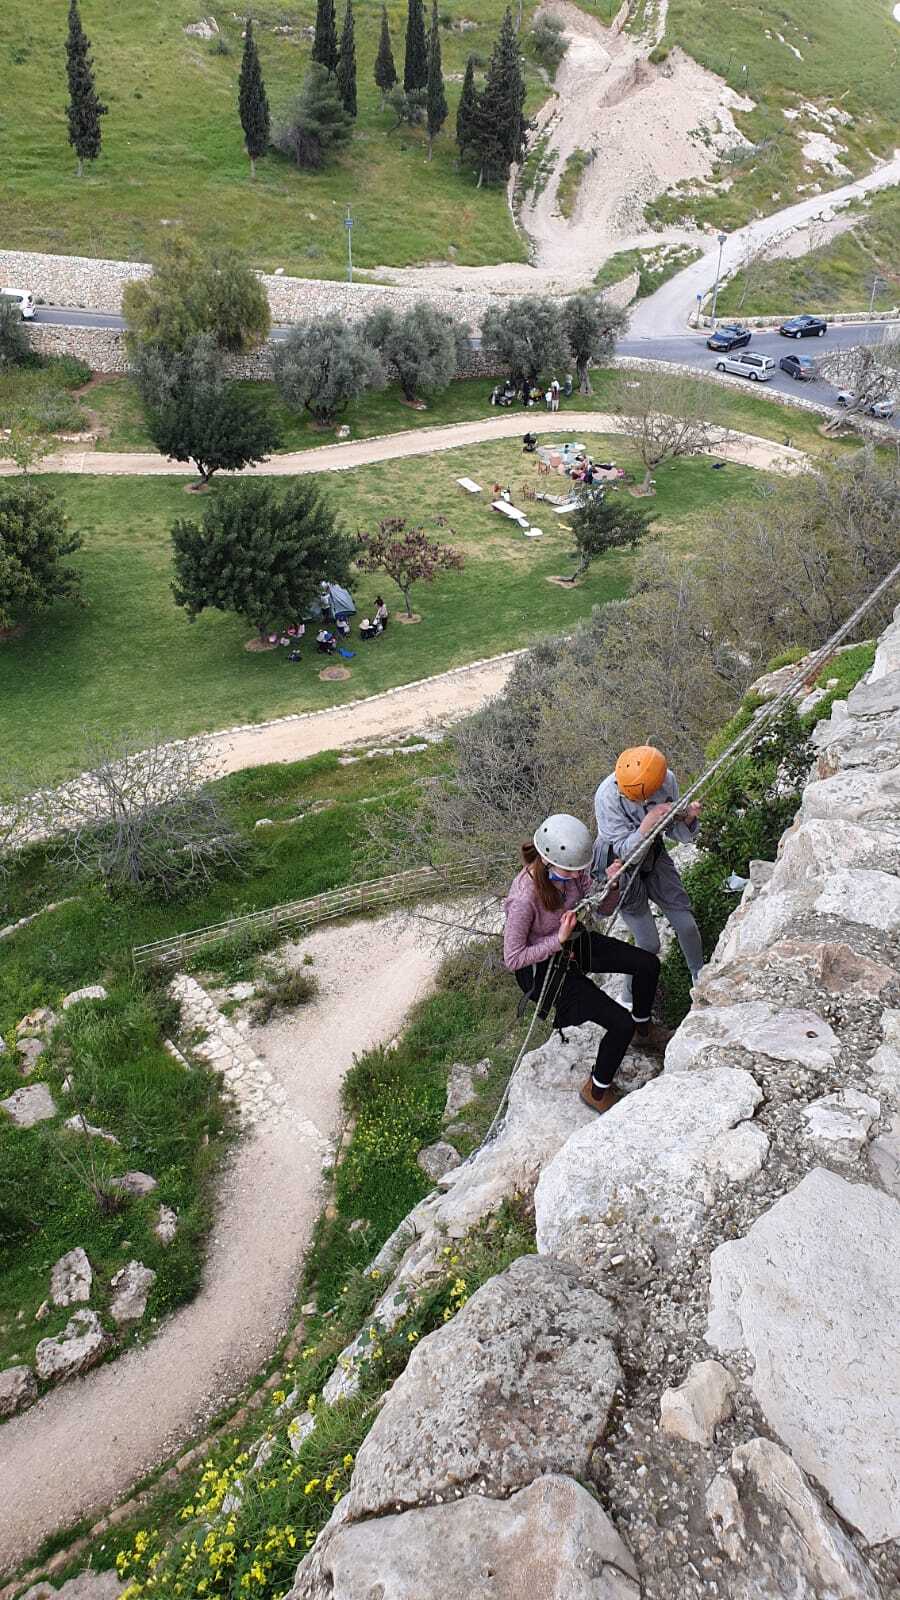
x=748 y=364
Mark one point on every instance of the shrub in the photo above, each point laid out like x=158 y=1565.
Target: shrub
x=315 y=124
x=548 y=42
x=284 y=994
x=15 y=348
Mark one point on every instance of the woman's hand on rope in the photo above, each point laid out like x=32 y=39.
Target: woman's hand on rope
x=568 y=924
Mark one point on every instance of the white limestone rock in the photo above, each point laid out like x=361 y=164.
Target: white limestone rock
x=789 y=1034
x=461 y=1086
x=206 y=28
x=813 y=850
x=840 y=1122
x=884 y=1154
x=756 y=925
x=82 y=1343
x=71 y=1279
x=781 y=1541
x=887 y=654
x=738 y=1154
x=876 y=697
x=30 y=1105
x=549 y=1541
x=136 y=1184
x=644 y=1161
x=17 y=1390
x=811 y=1294
x=39 y=1023
x=299 y=1429
x=132 y=1284
x=87 y=1585
x=438 y=1159
x=694 y=1410
x=866 y=797
x=166 y=1225
x=80 y=1124
x=92 y=991
x=884 y=1065
x=866 y=897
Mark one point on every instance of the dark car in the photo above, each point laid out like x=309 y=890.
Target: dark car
x=803 y=368
x=802 y=327
x=730 y=338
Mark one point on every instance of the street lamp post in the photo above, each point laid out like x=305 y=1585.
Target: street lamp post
x=722 y=239
x=348 y=224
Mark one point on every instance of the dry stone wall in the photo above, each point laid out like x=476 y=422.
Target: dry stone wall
x=708 y=1333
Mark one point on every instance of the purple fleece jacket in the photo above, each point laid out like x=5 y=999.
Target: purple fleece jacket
x=531 y=933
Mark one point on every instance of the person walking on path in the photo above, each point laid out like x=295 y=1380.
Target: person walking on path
x=628 y=804
x=541 y=924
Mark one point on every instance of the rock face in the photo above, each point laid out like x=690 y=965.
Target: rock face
x=781 y=1539
x=17 y=1390
x=81 y=1344
x=650 y=1156
x=30 y=1105
x=437 y=1159
x=551 y=1541
x=71 y=1279
x=519 y=1383
x=694 y=1410
x=786 y=1035
x=884 y=1154
x=811 y=1294
x=132 y=1285
x=840 y=1122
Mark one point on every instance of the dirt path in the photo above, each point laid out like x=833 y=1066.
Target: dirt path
x=90 y=1440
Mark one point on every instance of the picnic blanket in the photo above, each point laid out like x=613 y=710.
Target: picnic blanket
x=513 y=512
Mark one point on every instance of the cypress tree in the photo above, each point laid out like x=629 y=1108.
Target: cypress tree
x=415 y=65
x=85 y=108
x=325 y=43
x=385 y=71
x=346 y=67
x=252 y=102
x=436 y=107
x=498 y=123
x=465 y=111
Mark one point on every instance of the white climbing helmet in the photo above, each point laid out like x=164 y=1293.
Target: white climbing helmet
x=563 y=841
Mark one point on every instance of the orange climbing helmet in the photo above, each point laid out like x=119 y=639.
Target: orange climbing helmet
x=640 y=772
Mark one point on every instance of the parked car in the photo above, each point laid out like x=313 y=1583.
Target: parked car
x=802 y=327
x=749 y=364
x=22 y=298
x=881 y=409
x=731 y=337
x=803 y=368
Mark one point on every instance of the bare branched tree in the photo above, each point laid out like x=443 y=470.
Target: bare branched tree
x=144 y=817
x=667 y=415
x=865 y=373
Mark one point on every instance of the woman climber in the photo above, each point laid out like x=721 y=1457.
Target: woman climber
x=541 y=924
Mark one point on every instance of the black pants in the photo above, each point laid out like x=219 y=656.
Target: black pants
x=578 y=1000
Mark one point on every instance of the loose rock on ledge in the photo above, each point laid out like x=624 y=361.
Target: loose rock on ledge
x=133 y=1284
x=71 y=1279
x=694 y=1410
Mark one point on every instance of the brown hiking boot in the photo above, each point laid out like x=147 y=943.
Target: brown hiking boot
x=651 y=1037
x=599 y=1102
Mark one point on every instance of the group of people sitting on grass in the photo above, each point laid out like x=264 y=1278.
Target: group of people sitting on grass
x=329 y=637
x=506 y=394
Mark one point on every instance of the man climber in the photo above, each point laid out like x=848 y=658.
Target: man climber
x=628 y=805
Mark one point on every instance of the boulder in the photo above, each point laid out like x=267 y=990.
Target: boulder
x=18 y=1389
x=87 y=1585
x=643 y=1164
x=206 y=28
x=93 y=991
x=694 y=1410
x=841 y=1122
x=132 y=1284
x=80 y=1124
x=789 y=1034
x=550 y=1540
x=27 y=1106
x=299 y=1429
x=810 y=1293
x=40 y=1022
x=30 y=1052
x=71 y=1279
x=870 y=898
x=781 y=1540
x=436 y=1159
x=81 y=1344
x=810 y=852
x=461 y=1086
x=136 y=1184
x=166 y=1226
x=519 y=1383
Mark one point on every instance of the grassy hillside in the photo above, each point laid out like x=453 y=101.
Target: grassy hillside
x=173 y=153
x=848 y=57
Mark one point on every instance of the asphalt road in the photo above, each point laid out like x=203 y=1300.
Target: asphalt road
x=687 y=347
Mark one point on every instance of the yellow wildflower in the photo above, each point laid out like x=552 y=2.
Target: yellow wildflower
x=412 y=1337
x=313 y=1484
x=348 y=1461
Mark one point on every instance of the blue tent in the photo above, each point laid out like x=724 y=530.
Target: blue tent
x=333 y=601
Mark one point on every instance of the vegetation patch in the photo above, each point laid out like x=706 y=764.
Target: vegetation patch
x=570 y=180
x=654 y=267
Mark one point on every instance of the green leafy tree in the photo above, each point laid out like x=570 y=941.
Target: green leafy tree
x=316 y=124
x=406 y=554
x=415 y=64
x=385 y=70
x=252 y=102
x=498 y=122
x=85 y=107
x=195 y=414
x=325 y=363
x=422 y=347
x=466 y=111
x=603 y=523
x=591 y=328
x=525 y=337
x=346 y=67
x=194 y=291
x=436 y=103
x=549 y=42
x=325 y=42
x=34 y=542
x=259 y=552
x=408 y=107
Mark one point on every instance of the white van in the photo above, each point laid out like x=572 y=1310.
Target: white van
x=748 y=364
x=23 y=298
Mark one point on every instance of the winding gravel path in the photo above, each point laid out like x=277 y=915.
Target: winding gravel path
x=88 y=1441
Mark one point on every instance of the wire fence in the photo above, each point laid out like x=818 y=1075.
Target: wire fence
x=300 y=915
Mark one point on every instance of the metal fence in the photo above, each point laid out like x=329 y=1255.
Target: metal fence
x=301 y=915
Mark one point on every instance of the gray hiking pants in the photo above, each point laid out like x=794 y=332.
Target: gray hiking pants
x=664 y=887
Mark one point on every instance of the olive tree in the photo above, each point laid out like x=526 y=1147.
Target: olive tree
x=422 y=347
x=325 y=363
x=525 y=337
x=195 y=290
x=591 y=327
x=605 y=522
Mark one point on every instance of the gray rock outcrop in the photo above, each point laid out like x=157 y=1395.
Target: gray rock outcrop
x=840 y=1122
x=438 y=1159
x=136 y=1184
x=132 y=1285
x=71 y=1279
x=88 y=1585
x=788 y=1034
x=82 y=1343
x=17 y=1390
x=80 y=1124
x=166 y=1225
x=28 y=1106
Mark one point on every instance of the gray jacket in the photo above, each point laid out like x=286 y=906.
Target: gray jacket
x=619 y=820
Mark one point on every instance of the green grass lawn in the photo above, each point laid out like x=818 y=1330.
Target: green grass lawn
x=839 y=276
x=173 y=154
x=132 y=660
